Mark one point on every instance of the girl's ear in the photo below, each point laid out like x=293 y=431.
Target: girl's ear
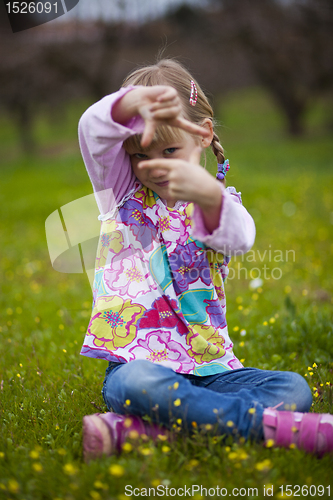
x=206 y=141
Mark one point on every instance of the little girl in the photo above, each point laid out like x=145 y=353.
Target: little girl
x=168 y=231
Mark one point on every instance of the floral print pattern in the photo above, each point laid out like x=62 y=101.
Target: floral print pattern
x=158 y=293
x=158 y=347
x=164 y=314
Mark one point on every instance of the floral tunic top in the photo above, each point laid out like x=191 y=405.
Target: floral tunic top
x=158 y=288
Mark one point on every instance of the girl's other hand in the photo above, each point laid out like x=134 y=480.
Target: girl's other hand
x=189 y=181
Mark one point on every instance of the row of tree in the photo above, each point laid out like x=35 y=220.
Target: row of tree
x=286 y=47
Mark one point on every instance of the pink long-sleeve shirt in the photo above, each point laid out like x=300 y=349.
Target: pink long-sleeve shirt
x=116 y=187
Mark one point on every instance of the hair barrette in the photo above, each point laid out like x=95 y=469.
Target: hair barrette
x=222 y=169
x=194 y=94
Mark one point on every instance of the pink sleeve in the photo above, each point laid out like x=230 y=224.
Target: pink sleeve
x=236 y=231
x=101 y=142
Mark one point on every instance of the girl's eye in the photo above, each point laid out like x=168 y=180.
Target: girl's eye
x=169 y=151
x=140 y=156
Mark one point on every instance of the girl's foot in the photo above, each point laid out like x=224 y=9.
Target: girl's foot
x=105 y=433
x=311 y=432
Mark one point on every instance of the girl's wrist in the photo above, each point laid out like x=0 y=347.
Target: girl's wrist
x=210 y=203
x=126 y=107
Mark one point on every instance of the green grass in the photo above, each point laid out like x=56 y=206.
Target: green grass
x=46 y=387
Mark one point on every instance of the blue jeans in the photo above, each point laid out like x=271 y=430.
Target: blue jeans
x=232 y=401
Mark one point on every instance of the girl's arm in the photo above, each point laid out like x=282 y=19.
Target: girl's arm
x=101 y=140
x=220 y=220
x=235 y=232
x=107 y=124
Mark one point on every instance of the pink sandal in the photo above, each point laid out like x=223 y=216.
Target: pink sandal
x=311 y=432
x=105 y=433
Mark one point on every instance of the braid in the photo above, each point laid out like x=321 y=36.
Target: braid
x=217 y=148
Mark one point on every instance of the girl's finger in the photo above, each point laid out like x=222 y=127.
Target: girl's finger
x=162 y=163
x=196 y=155
x=191 y=127
x=148 y=133
x=169 y=94
x=165 y=104
x=167 y=113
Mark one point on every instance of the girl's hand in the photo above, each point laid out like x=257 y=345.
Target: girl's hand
x=189 y=181
x=159 y=104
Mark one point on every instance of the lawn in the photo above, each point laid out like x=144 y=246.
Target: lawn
x=283 y=322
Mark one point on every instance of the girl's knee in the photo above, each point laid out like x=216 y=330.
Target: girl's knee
x=300 y=396
x=141 y=377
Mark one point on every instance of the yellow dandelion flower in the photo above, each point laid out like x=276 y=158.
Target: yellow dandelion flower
x=166 y=449
x=176 y=385
x=242 y=344
x=37 y=467
x=208 y=427
x=310 y=373
x=179 y=421
x=227 y=449
x=2 y=455
x=127 y=422
x=264 y=465
x=155 y=482
x=127 y=447
x=215 y=410
x=62 y=451
x=287 y=289
x=18 y=375
x=99 y=485
x=70 y=469
x=230 y=423
x=255 y=296
x=194 y=425
x=252 y=411
x=294 y=428
x=239 y=300
x=272 y=320
x=233 y=455
x=235 y=328
x=270 y=443
x=314 y=365
x=265 y=323
x=116 y=470
x=161 y=437
x=34 y=454
x=292 y=446
x=177 y=402
x=293 y=407
x=13 y=486
x=127 y=402
x=95 y=495
x=146 y=451
x=243 y=455
x=242 y=360
x=133 y=434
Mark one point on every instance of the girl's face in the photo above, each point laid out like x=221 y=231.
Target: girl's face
x=157 y=179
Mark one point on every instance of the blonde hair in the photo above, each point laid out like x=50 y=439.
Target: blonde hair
x=171 y=72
